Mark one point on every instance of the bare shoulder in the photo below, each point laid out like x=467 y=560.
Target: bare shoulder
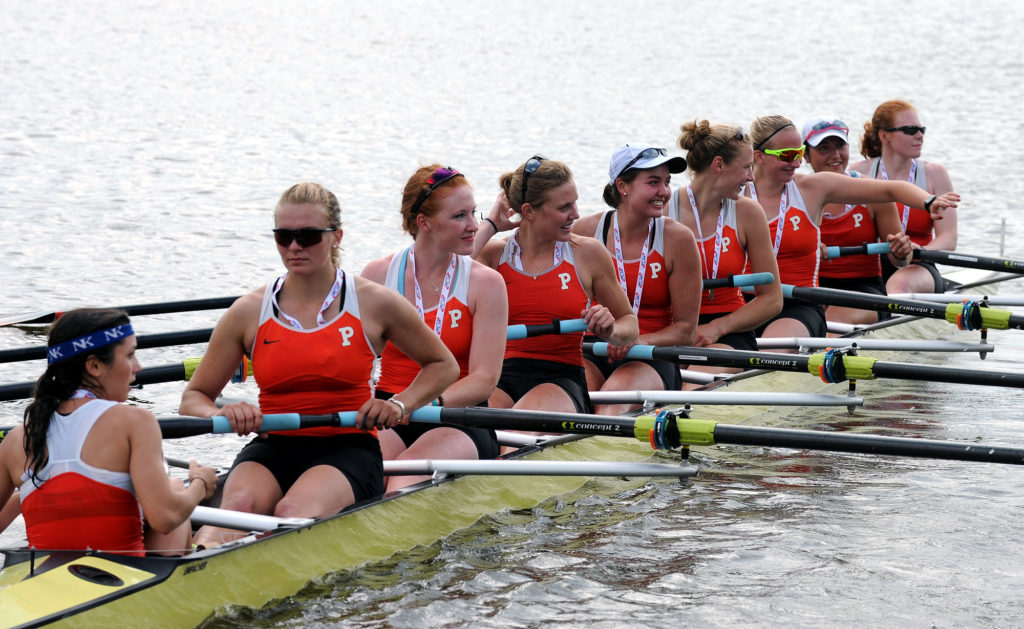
x=748 y=209
x=491 y=253
x=377 y=270
x=677 y=232
x=483 y=275
x=861 y=167
x=587 y=225
x=938 y=178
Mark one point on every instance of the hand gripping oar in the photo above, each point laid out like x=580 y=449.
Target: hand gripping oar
x=970 y=315
x=666 y=430
x=166 y=307
x=164 y=339
x=831 y=366
x=175 y=372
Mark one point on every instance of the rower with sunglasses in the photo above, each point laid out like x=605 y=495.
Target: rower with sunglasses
x=460 y=300
x=550 y=273
x=731 y=229
x=312 y=336
x=657 y=264
x=793 y=204
x=851 y=224
x=891 y=144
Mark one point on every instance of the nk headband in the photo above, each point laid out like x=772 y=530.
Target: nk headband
x=87 y=343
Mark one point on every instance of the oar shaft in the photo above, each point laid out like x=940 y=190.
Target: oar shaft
x=970 y=261
x=522 y=331
x=867 y=444
x=868 y=248
x=166 y=307
x=163 y=339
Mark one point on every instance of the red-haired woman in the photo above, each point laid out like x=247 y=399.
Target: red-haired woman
x=892 y=144
x=461 y=300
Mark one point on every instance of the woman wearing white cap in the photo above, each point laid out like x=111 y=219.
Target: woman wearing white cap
x=795 y=202
x=550 y=273
x=657 y=264
x=828 y=150
x=731 y=230
x=892 y=143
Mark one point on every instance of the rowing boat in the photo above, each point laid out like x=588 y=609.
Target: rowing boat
x=99 y=588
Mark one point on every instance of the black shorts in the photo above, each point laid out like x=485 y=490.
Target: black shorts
x=870 y=285
x=519 y=375
x=484 y=439
x=888 y=268
x=668 y=372
x=356 y=456
x=810 y=314
x=746 y=341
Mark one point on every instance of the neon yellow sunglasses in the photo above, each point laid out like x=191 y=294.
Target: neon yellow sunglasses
x=786 y=155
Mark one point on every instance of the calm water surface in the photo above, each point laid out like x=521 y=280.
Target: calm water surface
x=143 y=144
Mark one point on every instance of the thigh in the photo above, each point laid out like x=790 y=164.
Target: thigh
x=251 y=487
x=634 y=375
x=548 y=397
x=320 y=491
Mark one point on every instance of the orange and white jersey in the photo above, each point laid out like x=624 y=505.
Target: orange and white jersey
x=655 y=308
x=320 y=370
x=853 y=227
x=916 y=222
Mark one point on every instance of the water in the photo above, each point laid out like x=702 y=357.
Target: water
x=142 y=145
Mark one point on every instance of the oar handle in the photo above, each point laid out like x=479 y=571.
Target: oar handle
x=522 y=331
x=868 y=248
x=748 y=279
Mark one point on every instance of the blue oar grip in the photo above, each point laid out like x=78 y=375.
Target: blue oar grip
x=521 y=331
x=642 y=352
x=871 y=248
x=753 y=279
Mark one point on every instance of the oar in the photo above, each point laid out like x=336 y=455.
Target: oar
x=737 y=398
x=175 y=372
x=665 y=431
x=165 y=307
x=892 y=345
x=950 y=298
x=422 y=467
x=977 y=317
x=953 y=258
x=522 y=331
x=831 y=366
x=749 y=279
x=164 y=339
x=868 y=248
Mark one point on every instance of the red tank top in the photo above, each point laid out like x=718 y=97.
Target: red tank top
x=853 y=228
x=798 y=254
x=397 y=369
x=322 y=370
x=534 y=300
x=655 y=311
x=71 y=511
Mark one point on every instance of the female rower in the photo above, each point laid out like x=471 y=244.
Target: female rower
x=796 y=201
x=731 y=229
x=657 y=264
x=89 y=469
x=550 y=273
x=461 y=300
x=313 y=354
x=828 y=150
x=891 y=145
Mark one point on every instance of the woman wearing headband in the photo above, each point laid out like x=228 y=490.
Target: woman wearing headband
x=851 y=224
x=461 y=300
x=795 y=201
x=88 y=467
x=891 y=144
x=550 y=273
x=657 y=265
x=312 y=336
x=731 y=229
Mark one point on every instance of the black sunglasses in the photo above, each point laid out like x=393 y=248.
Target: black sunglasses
x=529 y=168
x=909 y=129
x=306 y=237
x=645 y=154
x=438 y=177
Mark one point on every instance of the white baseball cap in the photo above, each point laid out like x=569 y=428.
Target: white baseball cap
x=817 y=129
x=642 y=157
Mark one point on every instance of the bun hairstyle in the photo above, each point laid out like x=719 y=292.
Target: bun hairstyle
x=611 y=194
x=61 y=378
x=763 y=128
x=319 y=196
x=883 y=118
x=549 y=175
x=416 y=185
x=703 y=142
